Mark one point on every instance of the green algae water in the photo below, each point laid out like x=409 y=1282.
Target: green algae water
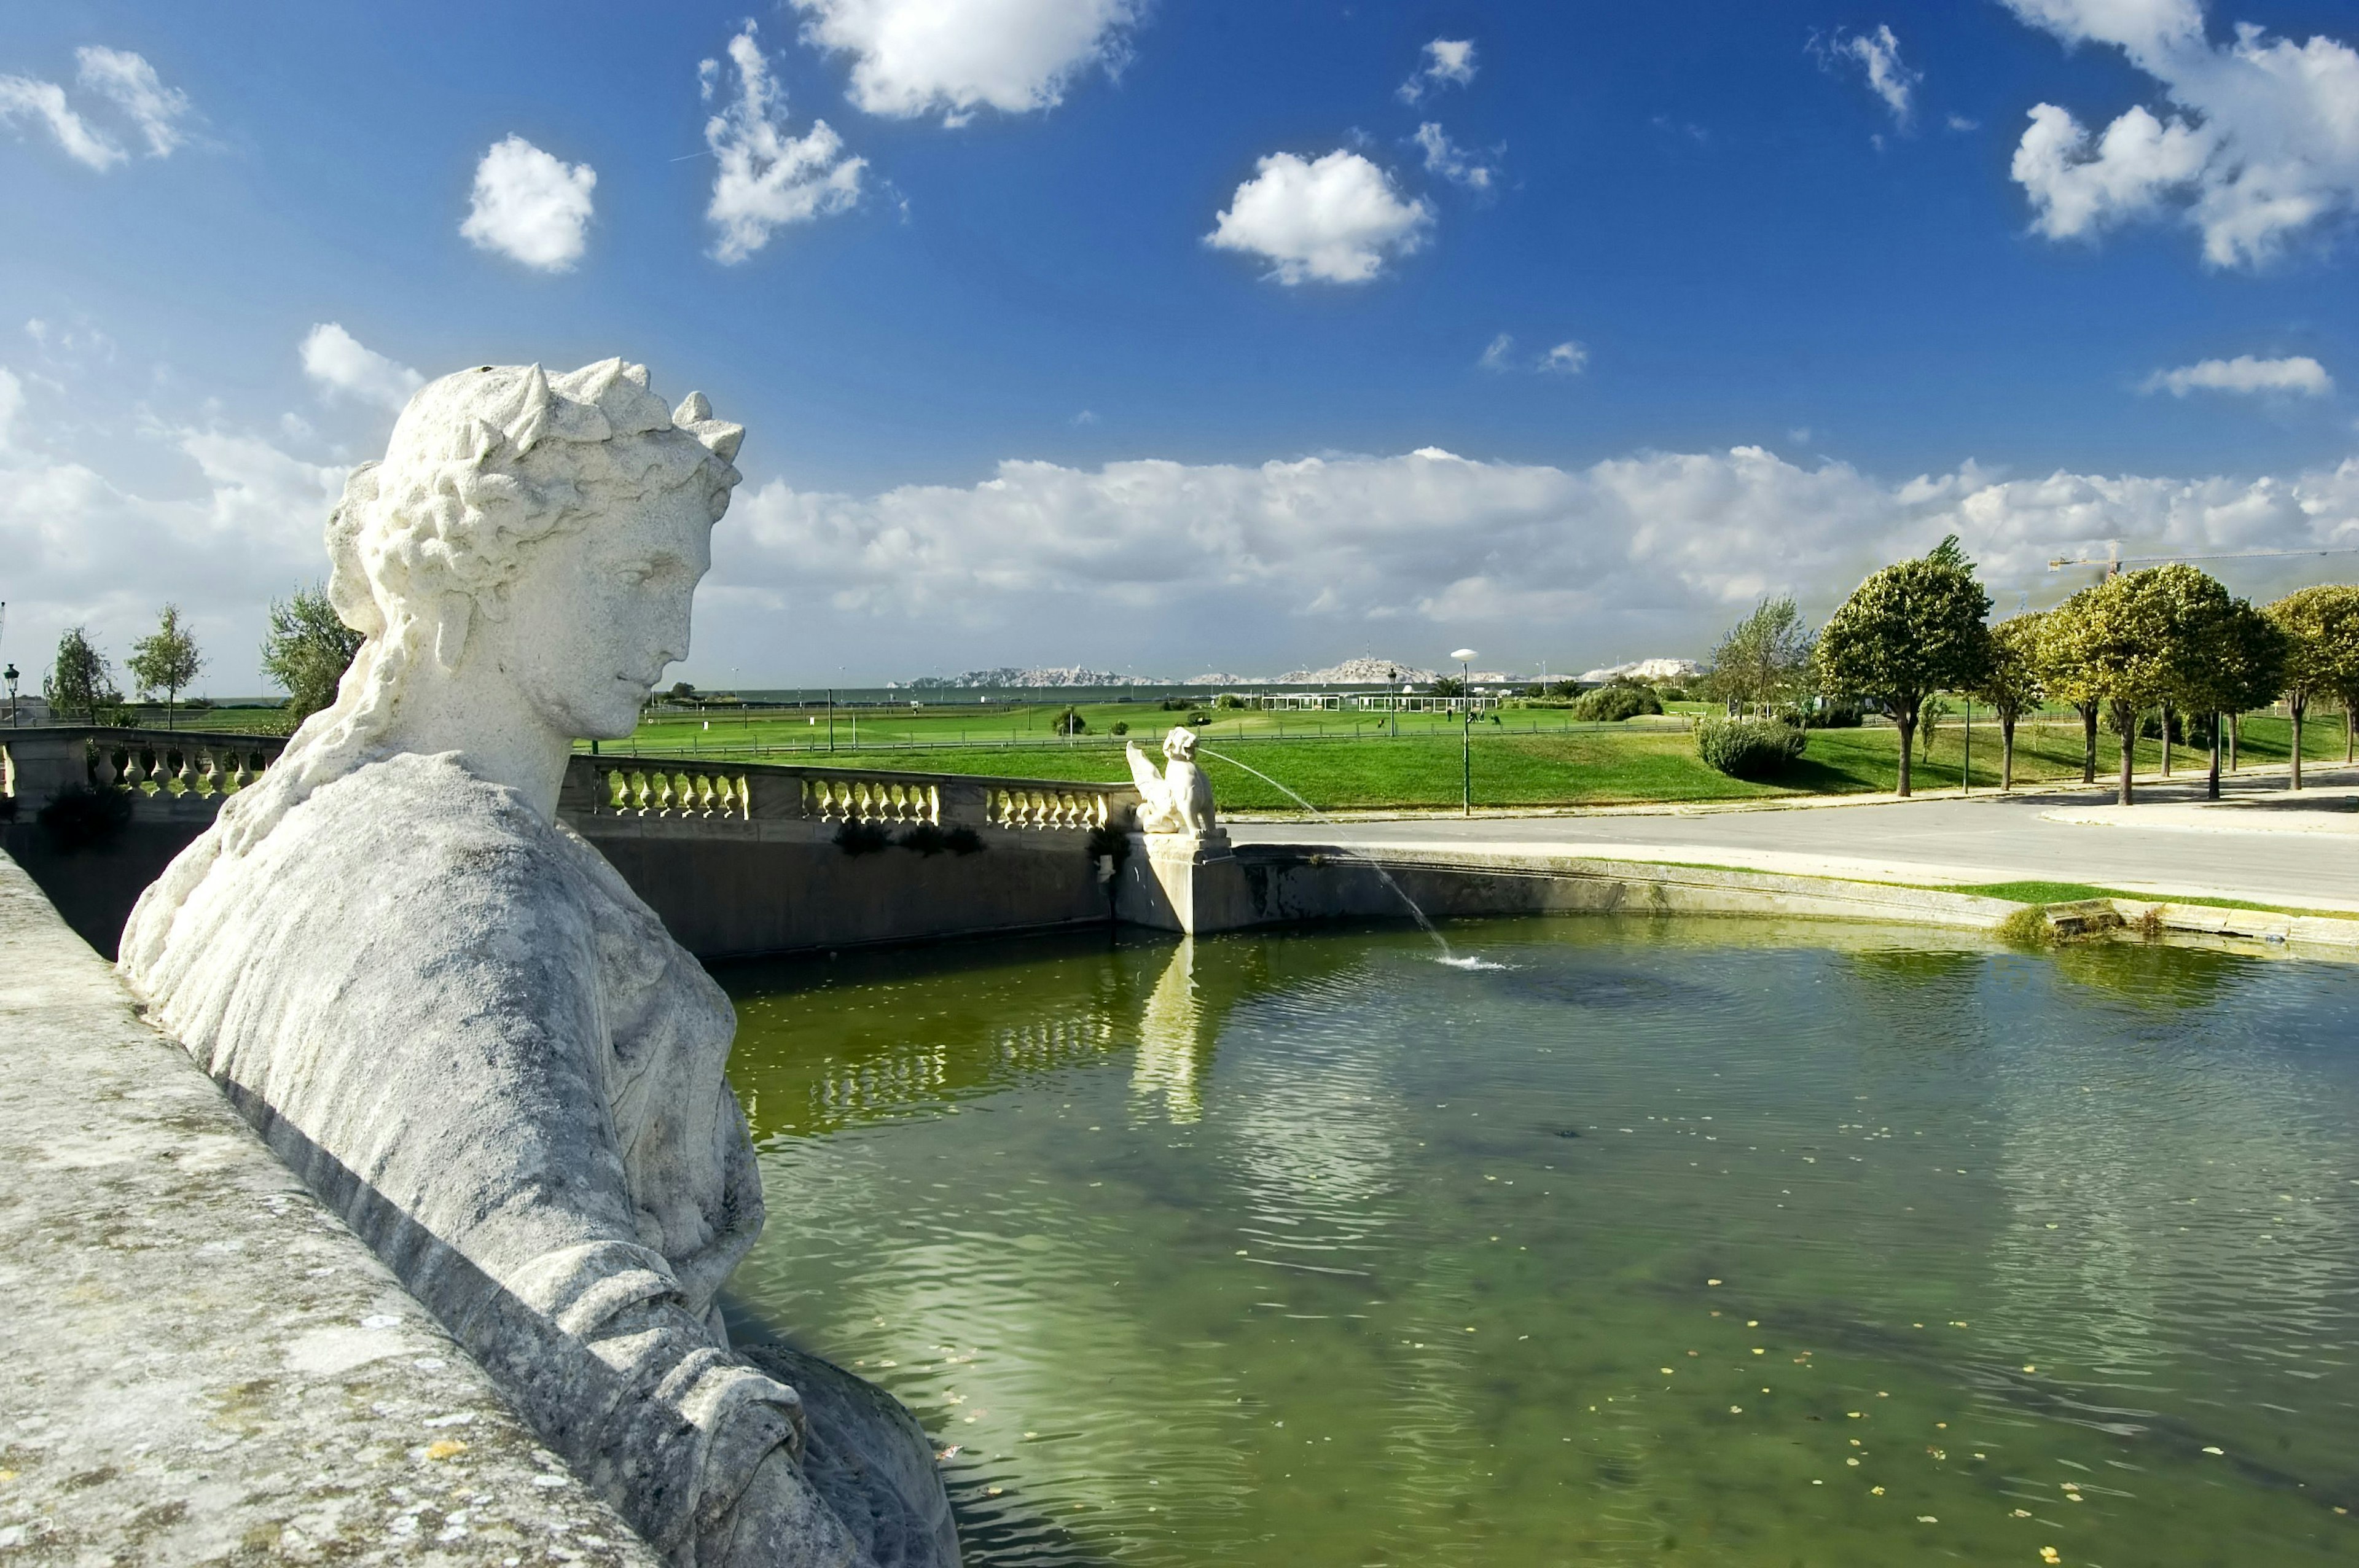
x=1660 y=1242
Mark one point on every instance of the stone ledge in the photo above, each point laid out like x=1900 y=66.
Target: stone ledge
x=202 y=1365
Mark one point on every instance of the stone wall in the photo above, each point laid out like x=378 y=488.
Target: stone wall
x=198 y=1363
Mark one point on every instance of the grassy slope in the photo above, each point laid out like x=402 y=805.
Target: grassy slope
x=1590 y=766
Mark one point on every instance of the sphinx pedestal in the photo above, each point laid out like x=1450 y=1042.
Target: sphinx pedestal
x=1183 y=881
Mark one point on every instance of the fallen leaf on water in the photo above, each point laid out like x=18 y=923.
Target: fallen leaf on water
x=2050 y=1554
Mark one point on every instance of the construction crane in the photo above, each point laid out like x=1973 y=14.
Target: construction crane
x=2114 y=564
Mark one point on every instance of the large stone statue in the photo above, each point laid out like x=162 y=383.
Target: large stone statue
x=1179 y=798
x=452 y=1016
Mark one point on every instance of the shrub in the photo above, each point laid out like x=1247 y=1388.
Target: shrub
x=1106 y=839
x=1230 y=700
x=925 y=838
x=1119 y=726
x=1748 y=748
x=81 y=818
x=1175 y=705
x=862 y=837
x=963 y=842
x=1839 y=713
x=2029 y=927
x=1068 y=722
x=1611 y=704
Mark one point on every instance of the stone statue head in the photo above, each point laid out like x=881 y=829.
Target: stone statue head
x=1180 y=745
x=547 y=533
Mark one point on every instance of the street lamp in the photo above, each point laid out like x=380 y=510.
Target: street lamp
x=1465 y=657
x=9 y=675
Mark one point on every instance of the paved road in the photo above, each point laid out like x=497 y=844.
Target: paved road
x=2261 y=844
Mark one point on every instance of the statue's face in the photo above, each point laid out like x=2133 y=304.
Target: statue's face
x=597 y=615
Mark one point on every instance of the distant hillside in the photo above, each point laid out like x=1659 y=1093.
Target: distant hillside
x=1358 y=671
x=1011 y=676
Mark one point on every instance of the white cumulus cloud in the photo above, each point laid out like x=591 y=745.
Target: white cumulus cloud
x=953 y=57
x=768 y=176
x=44 y=103
x=1877 y=56
x=530 y=206
x=1677 y=542
x=2297 y=374
x=2256 y=144
x=1567 y=357
x=129 y=82
x=1444 y=62
x=342 y=366
x=240 y=523
x=1452 y=162
x=1336 y=219
x=122 y=79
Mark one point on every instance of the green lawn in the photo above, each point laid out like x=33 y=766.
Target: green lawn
x=1533 y=758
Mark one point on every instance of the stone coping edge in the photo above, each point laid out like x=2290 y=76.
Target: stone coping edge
x=198 y=1363
x=1777 y=891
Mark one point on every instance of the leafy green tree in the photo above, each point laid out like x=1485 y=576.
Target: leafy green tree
x=1443 y=685
x=1909 y=631
x=2321 y=628
x=2239 y=665
x=307 y=650
x=1763 y=661
x=2010 y=683
x=2130 y=643
x=2066 y=677
x=166 y=660
x=81 y=681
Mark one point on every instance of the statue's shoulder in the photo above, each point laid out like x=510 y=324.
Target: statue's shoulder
x=417 y=826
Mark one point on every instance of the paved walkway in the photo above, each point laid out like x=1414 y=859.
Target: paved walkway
x=2261 y=843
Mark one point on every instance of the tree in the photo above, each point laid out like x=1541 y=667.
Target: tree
x=1443 y=685
x=2239 y=664
x=1911 y=629
x=2321 y=628
x=307 y=650
x=2010 y=683
x=81 y=681
x=1763 y=659
x=166 y=660
x=2064 y=675
x=2131 y=642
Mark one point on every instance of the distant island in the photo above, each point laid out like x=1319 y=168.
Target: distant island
x=1363 y=671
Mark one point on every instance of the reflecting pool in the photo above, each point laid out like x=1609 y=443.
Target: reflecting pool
x=1665 y=1241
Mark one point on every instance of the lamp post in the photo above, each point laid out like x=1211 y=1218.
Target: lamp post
x=9 y=675
x=1465 y=657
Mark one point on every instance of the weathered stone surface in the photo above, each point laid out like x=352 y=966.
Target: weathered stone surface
x=1179 y=798
x=199 y=1364
x=455 y=1019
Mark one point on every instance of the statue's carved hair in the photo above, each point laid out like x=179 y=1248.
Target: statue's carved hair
x=483 y=466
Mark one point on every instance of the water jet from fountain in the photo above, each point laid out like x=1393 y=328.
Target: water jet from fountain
x=1424 y=924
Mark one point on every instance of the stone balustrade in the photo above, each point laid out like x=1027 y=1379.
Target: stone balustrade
x=678 y=788
x=162 y=770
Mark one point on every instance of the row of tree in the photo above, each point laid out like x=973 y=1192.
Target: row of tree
x=2167 y=638
x=305 y=652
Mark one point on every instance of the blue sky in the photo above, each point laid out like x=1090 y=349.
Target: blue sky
x=1670 y=306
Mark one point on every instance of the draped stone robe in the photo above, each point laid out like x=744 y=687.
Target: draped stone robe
x=482 y=1050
